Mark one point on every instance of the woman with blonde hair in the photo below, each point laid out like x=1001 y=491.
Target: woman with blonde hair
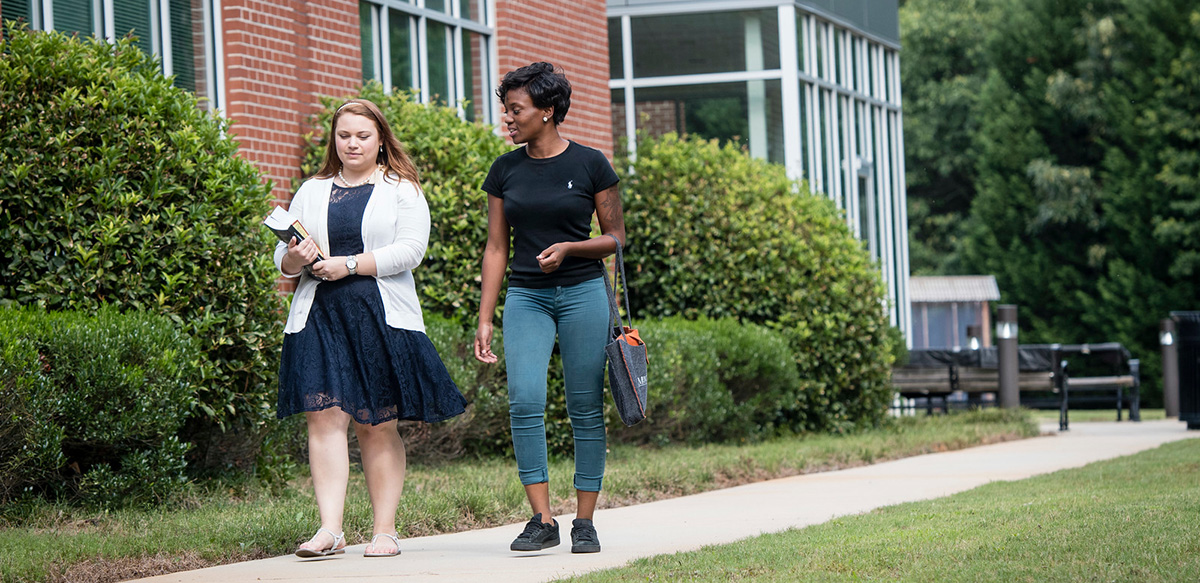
x=354 y=346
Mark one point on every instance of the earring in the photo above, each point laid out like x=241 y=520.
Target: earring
x=545 y=119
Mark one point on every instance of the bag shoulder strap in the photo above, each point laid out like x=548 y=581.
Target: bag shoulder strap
x=611 y=287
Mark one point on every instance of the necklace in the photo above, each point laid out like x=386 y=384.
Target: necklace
x=360 y=183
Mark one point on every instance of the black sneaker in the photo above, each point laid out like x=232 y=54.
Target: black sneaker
x=583 y=537
x=536 y=536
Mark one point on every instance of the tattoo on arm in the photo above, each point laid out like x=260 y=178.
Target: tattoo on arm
x=610 y=208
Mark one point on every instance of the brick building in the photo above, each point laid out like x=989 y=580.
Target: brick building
x=810 y=84
x=265 y=63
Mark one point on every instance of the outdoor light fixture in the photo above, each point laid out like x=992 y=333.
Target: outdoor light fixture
x=973 y=343
x=1006 y=330
x=1166 y=338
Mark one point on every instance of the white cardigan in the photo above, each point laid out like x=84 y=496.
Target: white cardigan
x=395 y=229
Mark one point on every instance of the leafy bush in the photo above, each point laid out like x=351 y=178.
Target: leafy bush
x=92 y=404
x=714 y=381
x=711 y=381
x=116 y=188
x=716 y=233
x=453 y=157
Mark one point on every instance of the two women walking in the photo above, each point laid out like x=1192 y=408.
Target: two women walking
x=354 y=346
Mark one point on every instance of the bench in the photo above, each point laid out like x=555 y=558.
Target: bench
x=1038 y=388
x=931 y=383
x=1099 y=388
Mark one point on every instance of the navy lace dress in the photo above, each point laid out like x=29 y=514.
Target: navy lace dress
x=347 y=356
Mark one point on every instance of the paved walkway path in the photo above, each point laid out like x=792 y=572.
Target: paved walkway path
x=717 y=517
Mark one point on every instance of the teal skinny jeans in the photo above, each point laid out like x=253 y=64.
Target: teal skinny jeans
x=578 y=315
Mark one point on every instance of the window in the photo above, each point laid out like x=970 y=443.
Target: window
x=179 y=32
x=616 y=58
x=692 y=44
x=444 y=57
x=724 y=111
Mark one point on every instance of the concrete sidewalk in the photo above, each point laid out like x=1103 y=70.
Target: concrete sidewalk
x=717 y=517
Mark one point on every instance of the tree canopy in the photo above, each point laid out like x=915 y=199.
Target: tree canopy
x=1080 y=159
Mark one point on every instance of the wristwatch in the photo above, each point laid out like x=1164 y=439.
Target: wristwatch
x=352 y=264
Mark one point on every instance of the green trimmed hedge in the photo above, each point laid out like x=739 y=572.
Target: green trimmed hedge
x=716 y=233
x=711 y=381
x=91 y=404
x=116 y=188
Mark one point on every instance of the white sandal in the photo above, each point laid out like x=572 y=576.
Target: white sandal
x=395 y=539
x=338 y=539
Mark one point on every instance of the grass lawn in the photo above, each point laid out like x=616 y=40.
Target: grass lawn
x=1128 y=519
x=1086 y=415
x=218 y=525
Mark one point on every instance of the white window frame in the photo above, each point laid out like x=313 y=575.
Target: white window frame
x=420 y=19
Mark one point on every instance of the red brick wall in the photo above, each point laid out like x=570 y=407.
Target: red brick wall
x=654 y=117
x=280 y=57
x=572 y=34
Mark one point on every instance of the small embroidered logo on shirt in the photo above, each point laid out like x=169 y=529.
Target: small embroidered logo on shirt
x=570 y=184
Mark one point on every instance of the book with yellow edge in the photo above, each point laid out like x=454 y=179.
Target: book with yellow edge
x=285 y=226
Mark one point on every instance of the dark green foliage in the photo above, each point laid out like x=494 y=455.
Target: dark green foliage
x=715 y=233
x=91 y=404
x=115 y=188
x=453 y=158
x=942 y=69
x=1087 y=207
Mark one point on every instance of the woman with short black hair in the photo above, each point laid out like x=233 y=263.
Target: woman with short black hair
x=541 y=199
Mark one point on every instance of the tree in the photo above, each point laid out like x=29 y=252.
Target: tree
x=942 y=69
x=1087 y=209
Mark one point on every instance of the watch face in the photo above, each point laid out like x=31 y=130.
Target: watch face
x=351 y=263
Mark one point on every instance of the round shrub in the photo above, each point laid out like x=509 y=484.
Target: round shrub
x=115 y=187
x=92 y=404
x=713 y=232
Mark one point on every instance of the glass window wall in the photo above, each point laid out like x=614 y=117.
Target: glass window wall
x=718 y=75
x=692 y=44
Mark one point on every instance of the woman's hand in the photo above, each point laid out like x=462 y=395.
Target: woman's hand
x=331 y=269
x=299 y=255
x=552 y=257
x=483 y=344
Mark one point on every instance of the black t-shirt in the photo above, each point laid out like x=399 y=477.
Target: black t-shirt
x=548 y=201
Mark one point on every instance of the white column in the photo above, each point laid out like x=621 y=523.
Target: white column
x=790 y=92
x=904 y=301
x=630 y=102
x=756 y=91
x=381 y=20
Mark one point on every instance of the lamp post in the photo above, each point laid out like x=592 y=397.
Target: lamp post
x=1006 y=349
x=1170 y=365
x=974 y=333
